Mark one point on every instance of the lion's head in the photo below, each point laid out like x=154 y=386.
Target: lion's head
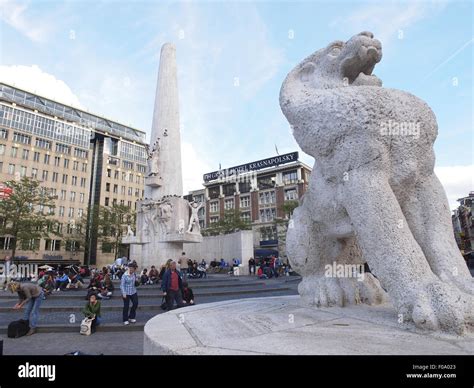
x=340 y=64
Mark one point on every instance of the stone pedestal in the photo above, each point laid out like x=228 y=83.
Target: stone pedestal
x=282 y=325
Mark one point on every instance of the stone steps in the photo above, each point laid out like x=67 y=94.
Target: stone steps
x=157 y=297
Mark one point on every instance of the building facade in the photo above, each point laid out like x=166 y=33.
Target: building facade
x=463 y=226
x=258 y=190
x=85 y=159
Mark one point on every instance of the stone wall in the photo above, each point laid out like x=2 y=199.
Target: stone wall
x=228 y=246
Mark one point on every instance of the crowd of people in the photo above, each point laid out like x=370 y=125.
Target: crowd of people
x=171 y=276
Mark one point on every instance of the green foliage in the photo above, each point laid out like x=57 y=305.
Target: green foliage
x=25 y=213
x=111 y=224
x=230 y=223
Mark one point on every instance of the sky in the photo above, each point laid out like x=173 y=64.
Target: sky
x=232 y=57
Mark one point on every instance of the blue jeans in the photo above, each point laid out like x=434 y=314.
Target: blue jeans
x=33 y=309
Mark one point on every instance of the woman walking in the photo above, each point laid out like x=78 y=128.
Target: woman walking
x=128 y=285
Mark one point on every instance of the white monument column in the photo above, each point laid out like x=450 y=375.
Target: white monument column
x=165 y=129
x=165 y=221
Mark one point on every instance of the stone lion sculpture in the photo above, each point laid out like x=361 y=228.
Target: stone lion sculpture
x=373 y=196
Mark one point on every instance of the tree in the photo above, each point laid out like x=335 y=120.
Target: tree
x=27 y=213
x=111 y=224
x=282 y=224
x=231 y=222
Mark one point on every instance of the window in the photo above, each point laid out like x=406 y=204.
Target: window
x=23 y=171
x=128 y=165
x=81 y=197
x=141 y=168
x=20 y=138
x=75 y=165
x=267 y=198
x=80 y=213
x=214 y=192
x=36 y=157
x=84 y=167
x=2 y=149
x=14 y=152
x=34 y=173
x=116 y=174
x=52 y=245
x=61 y=211
x=44 y=177
x=3 y=134
x=1 y=167
x=213 y=219
x=66 y=163
x=11 y=169
x=63 y=149
x=78 y=153
x=122 y=190
x=55 y=177
x=214 y=207
x=244 y=187
x=74 y=180
x=290 y=177
x=268 y=233
x=46 y=159
x=63 y=195
x=71 y=212
x=106 y=201
x=268 y=214
x=291 y=195
x=245 y=216
x=245 y=201
x=228 y=189
x=25 y=154
x=266 y=182
x=137 y=180
x=6 y=243
x=109 y=173
x=130 y=191
x=41 y=143
x=115 y=189
x=57 y=161
x=137 y=192
x=83 y=182
x=72 y=196
x=228 y=204
x=65 y=179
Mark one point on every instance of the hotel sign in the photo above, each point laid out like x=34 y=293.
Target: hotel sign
x=258 y=165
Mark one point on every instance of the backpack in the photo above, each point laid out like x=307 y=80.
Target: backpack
x=86 y=326
x=18 y=328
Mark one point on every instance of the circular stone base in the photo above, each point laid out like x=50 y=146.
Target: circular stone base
x=282 y=325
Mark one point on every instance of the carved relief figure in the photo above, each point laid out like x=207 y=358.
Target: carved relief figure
x=194 y=218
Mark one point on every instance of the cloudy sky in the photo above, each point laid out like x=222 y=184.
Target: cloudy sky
x=232 y=58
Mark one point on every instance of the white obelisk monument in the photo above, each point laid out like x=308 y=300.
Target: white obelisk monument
x=163 y=216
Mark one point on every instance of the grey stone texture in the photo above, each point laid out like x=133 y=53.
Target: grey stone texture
x=373 y=194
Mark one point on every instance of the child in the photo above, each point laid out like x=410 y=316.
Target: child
x=92 y=310
x=188 y=296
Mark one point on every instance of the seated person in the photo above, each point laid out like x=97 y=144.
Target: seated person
x=153 y=275
x=92 y=311
x=261 y=274
x=188 y=295
x=47 y=283
x=61 y=281
x=144 y=277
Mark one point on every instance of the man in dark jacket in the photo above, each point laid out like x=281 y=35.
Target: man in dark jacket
x=172 y=286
